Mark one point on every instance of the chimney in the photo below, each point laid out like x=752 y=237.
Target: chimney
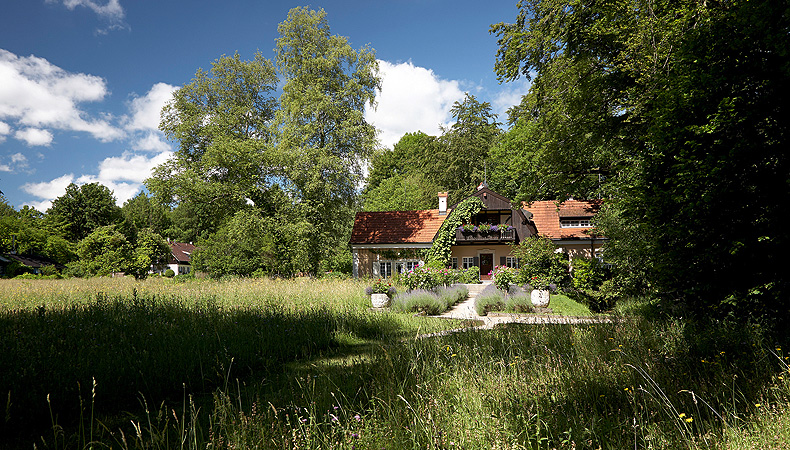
x=442 y=203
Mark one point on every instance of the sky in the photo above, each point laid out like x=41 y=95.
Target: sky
x=82 y=82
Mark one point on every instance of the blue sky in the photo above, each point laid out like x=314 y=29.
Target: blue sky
x=82 y=81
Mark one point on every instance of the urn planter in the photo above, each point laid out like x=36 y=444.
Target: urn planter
x=540 y=298
x=380 y=300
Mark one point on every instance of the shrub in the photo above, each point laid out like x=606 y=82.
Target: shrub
x=503 y=277
x=449 y=296
x=418 y=300
x=518 y=301
x=490 y=299
x=169 y=273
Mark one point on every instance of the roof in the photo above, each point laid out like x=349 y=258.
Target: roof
x=547 y=214
x=396 y=227
x=181 y=252
x=34 y=261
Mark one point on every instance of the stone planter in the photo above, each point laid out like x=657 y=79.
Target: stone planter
x=540 y=298
x=380 y=300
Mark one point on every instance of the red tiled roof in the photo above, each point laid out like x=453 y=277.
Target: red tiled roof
x=181 y=252
x=546 y=215
x=396 y=227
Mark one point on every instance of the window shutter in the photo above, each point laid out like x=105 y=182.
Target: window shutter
x=502 y=260
x=476 y=261
x=376 y=268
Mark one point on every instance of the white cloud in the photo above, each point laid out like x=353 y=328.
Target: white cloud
x=123 y=175
x=47 y=191
x=143 y=122
x=18 y=161
x=5 y=129
x=111 y=11
x=39 y=95
x=34 y=136
x=412 y=98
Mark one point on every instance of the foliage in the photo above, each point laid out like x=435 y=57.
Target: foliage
x=430 y=301
x=145 y=213
x=426 y=278
x=381 y=287
x=169 y=273
x=667 y=110
x=150 y=249
x=243 y=245
x=519 y=302
x=322 y=132
x=409 y=192
x=222 y=121
x=503 y=277
x=83 y=209
x=441 y=248
x=490 y=299
x=105 y=251
x=588 y=273
x=539 y=258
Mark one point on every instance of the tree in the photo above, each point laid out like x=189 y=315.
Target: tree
x=106 y=250
x=82 y=209
x=677 y=110
x=222 y=121
x=461 y=165
x=243 y=245
x=323 y=135
x=150 y=249
x=144 y=213
x=408 y=192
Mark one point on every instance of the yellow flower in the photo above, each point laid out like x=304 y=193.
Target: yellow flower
x=682 y=415
x=690 y=419
x=757 y=405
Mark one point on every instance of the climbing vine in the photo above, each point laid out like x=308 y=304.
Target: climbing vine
x=439 y=253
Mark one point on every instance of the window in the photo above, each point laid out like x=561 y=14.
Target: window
x=512 y=262
x=454 y=263
x=575 y=223
x=388 y=268
x=385 y=269
x=468 y=262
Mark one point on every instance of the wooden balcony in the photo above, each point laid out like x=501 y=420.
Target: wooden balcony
x=488 y=237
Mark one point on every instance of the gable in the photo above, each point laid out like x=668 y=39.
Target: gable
x=181 y=252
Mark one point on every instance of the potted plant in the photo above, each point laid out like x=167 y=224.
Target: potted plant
x=380 y=293
x=541 y=291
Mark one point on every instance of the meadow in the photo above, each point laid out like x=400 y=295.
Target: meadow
x=114 y=363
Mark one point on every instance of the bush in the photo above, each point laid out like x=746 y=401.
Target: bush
x=431 y=302
x=503 y=277
x=490 y=299
x=169 y=273
x=519 y=302
x=428 y=278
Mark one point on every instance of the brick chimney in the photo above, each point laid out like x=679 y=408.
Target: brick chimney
x=442 y=203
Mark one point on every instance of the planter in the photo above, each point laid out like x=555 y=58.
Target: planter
x=540 y=298
x=380 y=300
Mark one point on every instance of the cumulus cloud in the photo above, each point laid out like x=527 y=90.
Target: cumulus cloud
x=412 y=98
x=34 y=136
x=143 y=121
x=123 y=175
x=37 y=97
x=5 y=129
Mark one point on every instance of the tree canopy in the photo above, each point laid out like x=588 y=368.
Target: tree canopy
x=672 y=112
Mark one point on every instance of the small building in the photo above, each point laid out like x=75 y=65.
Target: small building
x=33 y=263
x=179 y=260
x=388 y=242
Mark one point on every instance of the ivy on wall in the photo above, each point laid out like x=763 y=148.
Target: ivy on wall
x=404 y=253
x=439 y=253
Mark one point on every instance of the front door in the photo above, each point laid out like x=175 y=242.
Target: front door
x=486 y=265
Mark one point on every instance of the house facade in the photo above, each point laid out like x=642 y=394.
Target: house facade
x=387 y=242
x=179 y=260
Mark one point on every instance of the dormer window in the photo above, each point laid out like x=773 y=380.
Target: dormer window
x=575 y=223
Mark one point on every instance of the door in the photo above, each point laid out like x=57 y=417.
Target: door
x=486 y=265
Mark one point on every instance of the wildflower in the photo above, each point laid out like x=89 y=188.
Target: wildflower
x=689 y=420
x=757 y=405
x=334 y=417
x=357 y=418
x=682 y=415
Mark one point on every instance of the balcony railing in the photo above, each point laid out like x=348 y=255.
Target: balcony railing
x=477 y=236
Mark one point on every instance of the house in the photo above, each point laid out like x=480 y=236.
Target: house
x=35 y=263
x=388 y=242
x=179 y=260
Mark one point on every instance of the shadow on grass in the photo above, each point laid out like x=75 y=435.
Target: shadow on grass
x=153 y=348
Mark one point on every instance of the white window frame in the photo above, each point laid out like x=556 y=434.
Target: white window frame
x=468 y=261
x=575 y=223
x=512 y=262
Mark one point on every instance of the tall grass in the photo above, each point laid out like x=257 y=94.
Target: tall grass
x=636 y=383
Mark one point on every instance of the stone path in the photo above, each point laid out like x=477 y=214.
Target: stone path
x=465 y=310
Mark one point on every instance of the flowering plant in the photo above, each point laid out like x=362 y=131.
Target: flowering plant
x=504 y=227
x=503 y=277
x=541 y=283
x=467 y=228
x=485 y=227
x=380 y=287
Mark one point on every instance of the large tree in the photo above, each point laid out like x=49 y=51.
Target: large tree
x=85 y=208
x=323 y=135
x=222 y=121
x=675 y=113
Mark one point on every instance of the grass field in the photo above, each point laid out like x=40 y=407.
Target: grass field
x=114 y=363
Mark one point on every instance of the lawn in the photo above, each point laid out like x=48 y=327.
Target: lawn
x=306 y=364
